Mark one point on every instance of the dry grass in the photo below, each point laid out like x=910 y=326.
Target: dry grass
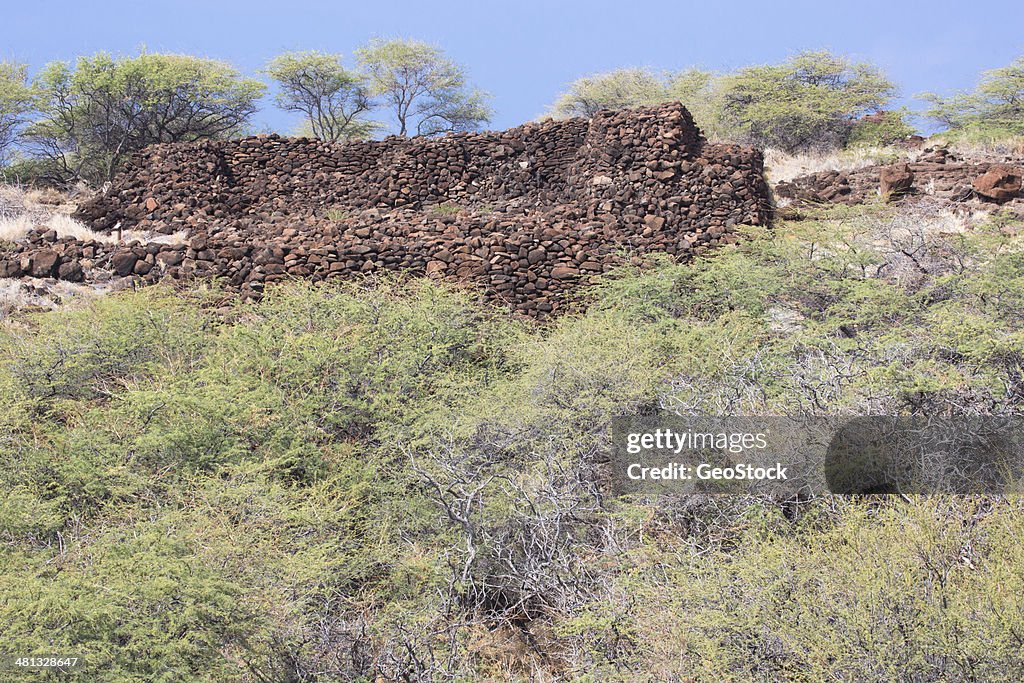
x=780 y=166
x=47 y=195
x=989 y=149
x=23 y=210
x=30 y=293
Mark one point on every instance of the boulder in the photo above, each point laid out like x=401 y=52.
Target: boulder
x=71 y=271
x=654 y=222
x=536 y=255
x=170 y=258
x=1000 y=182
x=9 y=268
x=123 y=263
x=895 y=180
x=44 y=263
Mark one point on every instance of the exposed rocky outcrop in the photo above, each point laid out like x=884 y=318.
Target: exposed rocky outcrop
x=526 y=215
x=938 y=173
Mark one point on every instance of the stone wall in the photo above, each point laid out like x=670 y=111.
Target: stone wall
x=525 y=215
x=613 y=157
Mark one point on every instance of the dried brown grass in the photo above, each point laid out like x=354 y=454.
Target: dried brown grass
x=22 y=210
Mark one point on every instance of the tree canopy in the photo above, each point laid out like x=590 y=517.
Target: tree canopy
x=331 y=98
x=812 y=100
x=634 y=87
x=996 y=106
x=17 y=99
x=94 y=114
x=618 y=89
x=425 y=91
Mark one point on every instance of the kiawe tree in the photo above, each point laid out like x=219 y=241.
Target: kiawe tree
x=97 y=113
x=812 y=100
x=17 y=100
x=618 y=89
x=425 y=91
x=332 y=99
x=641 y=87
x=995 y=108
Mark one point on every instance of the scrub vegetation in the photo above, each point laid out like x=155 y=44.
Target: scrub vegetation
x=387 y=480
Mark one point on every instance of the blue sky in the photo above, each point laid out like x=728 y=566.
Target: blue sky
x=526 y=52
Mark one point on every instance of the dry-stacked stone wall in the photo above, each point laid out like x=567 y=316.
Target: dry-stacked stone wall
x=526 y=215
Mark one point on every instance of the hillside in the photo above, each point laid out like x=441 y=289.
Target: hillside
x=384 y=478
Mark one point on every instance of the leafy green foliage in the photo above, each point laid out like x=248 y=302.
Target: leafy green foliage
x=634 y=87
x=617 y=89
x=135 y=604
x=853 y=591
x=809 y=101
x=995 y=108
x=17 y=100
x=330 y=97
x=425 y=90
x=265 y=438
x=386 y=479
x=879 y=130
x=97 y=113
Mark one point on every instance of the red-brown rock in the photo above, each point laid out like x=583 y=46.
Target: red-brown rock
x=123 y=263
x=71 y=271
x=44 y=263
x=1000 y=183
x=895 y=180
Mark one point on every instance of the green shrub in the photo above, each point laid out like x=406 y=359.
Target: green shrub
x=993 y=110
x=382 y=478
x=882 y=129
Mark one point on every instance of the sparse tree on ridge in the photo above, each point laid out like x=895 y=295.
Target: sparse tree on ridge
x=97 y=113
x=810 y=101
x=426 y=91
x=633 y=87
x=996 y=106
x=332 y=98
x=17 y=100
x=618 y=89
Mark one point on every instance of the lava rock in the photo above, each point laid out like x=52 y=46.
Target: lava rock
x=1000 y=183
x=123 y=263
x=44 y=263
x=895 y=180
